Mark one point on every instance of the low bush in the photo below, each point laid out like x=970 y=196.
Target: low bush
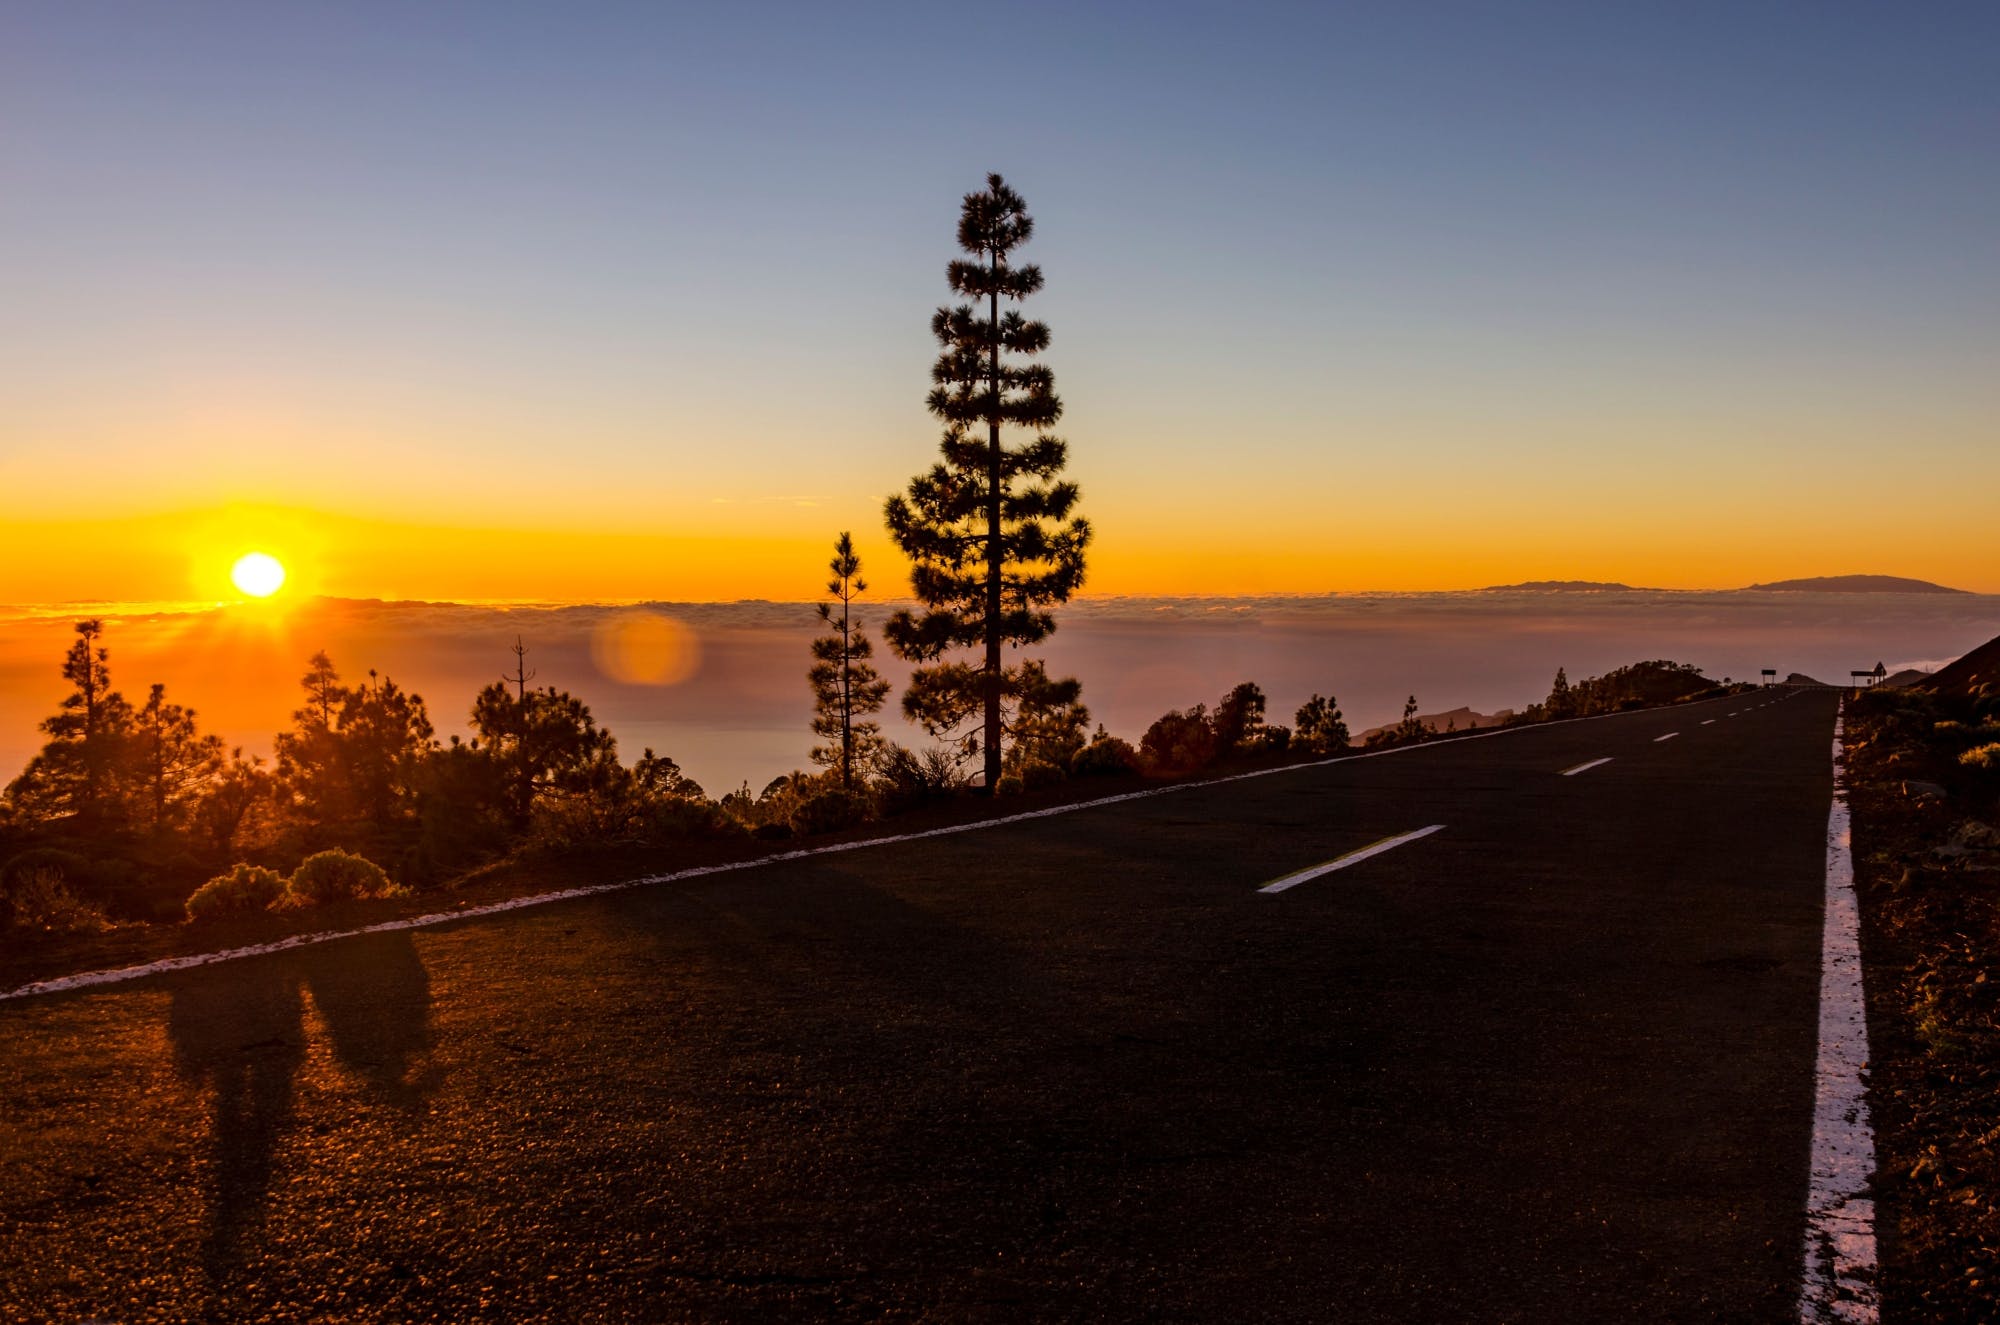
x=1036 y=774
x=905 y=779
x=1009 y=785
x=336 y=876
x=38 y=901
x=1982 y=758
x=244 y=889
x=1105 y=756
x=678 y=816
x=66 y=865
x=828 y=811
x=1269 y=739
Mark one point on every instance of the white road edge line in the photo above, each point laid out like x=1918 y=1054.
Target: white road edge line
x=120 y=974
x=1584 y=768
x=1839 y=1282
x=1668 y=737
x=1351 y=858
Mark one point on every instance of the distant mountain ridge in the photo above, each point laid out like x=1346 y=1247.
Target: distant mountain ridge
x=1461 y=719
x=1854 y=584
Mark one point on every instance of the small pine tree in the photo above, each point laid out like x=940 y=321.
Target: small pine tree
x=846 y=687
x=1239 y=716
x=546 y=745
x=1409 y=729
x=1561 y=702
x=170 y=763
x=309 y=776
x=1049 y=723
x=1321 y=727
x=991 y=532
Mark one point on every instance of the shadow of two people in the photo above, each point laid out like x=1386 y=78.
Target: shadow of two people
x=238 y=1029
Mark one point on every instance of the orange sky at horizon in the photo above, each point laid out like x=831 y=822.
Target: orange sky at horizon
x=779 y=553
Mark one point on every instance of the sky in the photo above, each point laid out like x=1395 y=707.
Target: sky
x=593 y=302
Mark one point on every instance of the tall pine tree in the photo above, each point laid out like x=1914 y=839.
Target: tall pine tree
x=846 y=687
x=991 y=530
x=77 y=775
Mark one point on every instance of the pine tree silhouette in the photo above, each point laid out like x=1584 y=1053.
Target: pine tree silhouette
x=846 y=687
x=990 y=531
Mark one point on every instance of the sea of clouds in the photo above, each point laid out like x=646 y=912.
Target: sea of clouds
x=721 y=686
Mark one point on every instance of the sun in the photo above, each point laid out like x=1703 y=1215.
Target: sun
x=258 y=574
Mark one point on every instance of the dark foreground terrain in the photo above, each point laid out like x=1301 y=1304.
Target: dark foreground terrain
x=1550 y=1063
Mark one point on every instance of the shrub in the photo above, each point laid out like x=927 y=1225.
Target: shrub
x=1036 y=774
x=1105 y=756
x=30 y=875
x=1178 y=743
x=245 y=888
x=1009 y=785
x=67 y=866
x=1982 y=758
x=905 y=779
x=336 y=876
x=681 y=816
x=38 y=901
x=828 y=811
x=777 y=830
x=1268 y=740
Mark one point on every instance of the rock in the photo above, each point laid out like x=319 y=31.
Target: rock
x=1976 y=836
x=1923 y=791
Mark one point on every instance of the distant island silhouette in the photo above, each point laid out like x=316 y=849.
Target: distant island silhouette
x=1566 y=586
x=1814 y=584
x=1855 y=584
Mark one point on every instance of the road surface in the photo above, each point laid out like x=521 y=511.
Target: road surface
x=1551 y=1061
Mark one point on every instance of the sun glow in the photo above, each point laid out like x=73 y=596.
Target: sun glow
x=258 y=574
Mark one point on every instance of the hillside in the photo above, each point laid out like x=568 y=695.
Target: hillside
x=1853 y=584
x=1976 y=671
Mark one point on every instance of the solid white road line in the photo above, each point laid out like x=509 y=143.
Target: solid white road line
x=1840 y=1215
x=1351 y=858
x=1580 y=768
x=1668 y=737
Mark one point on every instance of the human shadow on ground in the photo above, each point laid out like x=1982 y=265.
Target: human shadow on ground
x=238 y=1030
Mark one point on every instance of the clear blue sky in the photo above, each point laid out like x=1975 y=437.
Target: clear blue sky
x=602 y=266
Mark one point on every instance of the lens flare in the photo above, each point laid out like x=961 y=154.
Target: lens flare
x=257 y=574
x=645 y=648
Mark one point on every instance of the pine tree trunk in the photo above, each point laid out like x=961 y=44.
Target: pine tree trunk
x=993 y=548
x=846 y=697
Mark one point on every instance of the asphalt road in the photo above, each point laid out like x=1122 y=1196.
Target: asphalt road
x=1552 y=1062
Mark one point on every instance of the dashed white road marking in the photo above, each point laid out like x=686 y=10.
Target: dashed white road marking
x=1708 y=722
x=1581 y=768
x=1351 y=858
x=1840 y=1214
x=1668 y=737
